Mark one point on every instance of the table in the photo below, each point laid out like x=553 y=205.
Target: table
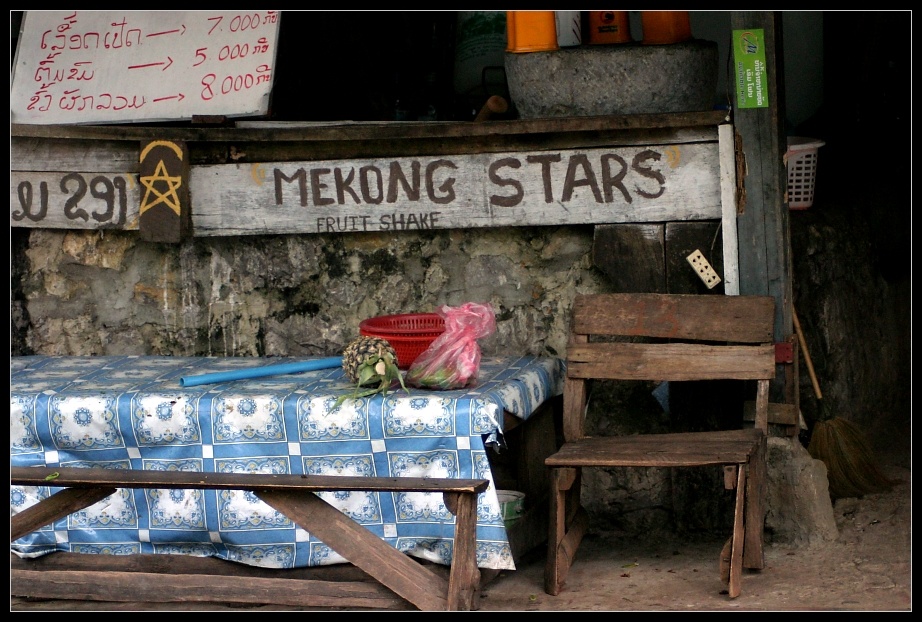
x=131 y=412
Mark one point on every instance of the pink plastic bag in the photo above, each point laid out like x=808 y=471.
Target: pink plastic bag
x=452 y=361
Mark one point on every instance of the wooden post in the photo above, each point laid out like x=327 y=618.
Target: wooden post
x=165 y=214
x=763 y=223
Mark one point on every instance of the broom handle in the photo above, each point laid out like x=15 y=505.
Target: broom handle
x=803 y=347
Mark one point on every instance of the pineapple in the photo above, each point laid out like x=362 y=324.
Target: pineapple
x=370 y=361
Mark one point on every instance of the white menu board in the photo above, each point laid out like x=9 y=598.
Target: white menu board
x=138 y=66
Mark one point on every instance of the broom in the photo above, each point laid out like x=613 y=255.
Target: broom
x=841 y=445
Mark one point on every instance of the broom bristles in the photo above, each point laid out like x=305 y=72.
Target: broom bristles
x=851 y=468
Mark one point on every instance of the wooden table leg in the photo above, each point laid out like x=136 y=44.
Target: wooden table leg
x=464 y=579
x=395 y=569
x=50 y=509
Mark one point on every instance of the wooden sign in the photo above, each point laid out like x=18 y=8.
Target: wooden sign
x=133 y=66
x=165 y=214
x=587 y=186
x=74 y=200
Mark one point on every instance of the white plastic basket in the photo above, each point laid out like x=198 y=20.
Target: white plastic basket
x=801 y=157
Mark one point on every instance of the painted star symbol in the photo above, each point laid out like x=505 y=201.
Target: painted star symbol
x=167 y=197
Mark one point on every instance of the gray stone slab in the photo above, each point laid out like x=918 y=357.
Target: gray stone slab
x=592 y=80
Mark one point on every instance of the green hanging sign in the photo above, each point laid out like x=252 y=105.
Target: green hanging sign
x=749 y=60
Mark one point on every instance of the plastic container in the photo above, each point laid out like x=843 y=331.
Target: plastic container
x=569 y=28
x=512 y=505
x=665 y=27
x=801 y=157
x=531 y=31
x=480 y=53
x=408 y=333
x=607 y=27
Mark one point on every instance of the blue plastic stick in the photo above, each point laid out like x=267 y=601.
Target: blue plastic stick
x=259 y=372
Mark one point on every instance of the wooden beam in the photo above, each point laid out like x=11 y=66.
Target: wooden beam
x=259 y=131
x=728 y=228
x=166 y=215
x=763 y=221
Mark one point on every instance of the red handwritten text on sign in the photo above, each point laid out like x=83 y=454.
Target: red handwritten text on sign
x=133 y=66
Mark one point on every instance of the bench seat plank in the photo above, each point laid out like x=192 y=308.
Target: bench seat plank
x=72 y=477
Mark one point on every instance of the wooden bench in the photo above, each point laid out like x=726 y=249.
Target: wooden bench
x=178 y=578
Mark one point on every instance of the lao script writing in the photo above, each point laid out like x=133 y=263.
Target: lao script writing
x=108 y=66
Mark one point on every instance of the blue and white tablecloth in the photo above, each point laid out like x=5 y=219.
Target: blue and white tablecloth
x=130 y=412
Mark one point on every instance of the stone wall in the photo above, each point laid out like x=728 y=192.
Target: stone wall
x=107 y=292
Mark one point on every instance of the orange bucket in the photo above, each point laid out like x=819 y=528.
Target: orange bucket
x=531 y=31
x=609 y=27
x=660 y=27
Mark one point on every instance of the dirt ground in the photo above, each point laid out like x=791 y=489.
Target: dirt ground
x=868 y=568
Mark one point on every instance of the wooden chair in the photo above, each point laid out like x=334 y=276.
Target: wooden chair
x=663 y=337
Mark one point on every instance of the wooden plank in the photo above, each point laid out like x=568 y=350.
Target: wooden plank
x=102 y=156
x=756 y=494
x=728 y=229
x=736 y=551
x=649 y=184
x=529 y=444
x=660 y=450
x=744 y=436
x=55 y=507
x=74 y=477
x=576 y=529
x=389 y=566
x=742 y=319
x=536 y=441
x=683 y=238
x=153 y=587
x=165 y=209
x=575 y=394
x=675 y=138
x=557 y=563
x=779 y=414
x=373 y=146
x=654 y=460
x=764 y=230
x=670 y=361
x=632 y=256
x=246 y=147
x=703 y=123
x=162 y=563
x=74 y=200
x=464 y=579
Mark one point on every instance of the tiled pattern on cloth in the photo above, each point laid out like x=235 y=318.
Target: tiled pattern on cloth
x=130 y=412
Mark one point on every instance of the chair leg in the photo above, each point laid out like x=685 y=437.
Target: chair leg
x=566 y=528
x=736 y=551
x=726 y=555
x=756 y=483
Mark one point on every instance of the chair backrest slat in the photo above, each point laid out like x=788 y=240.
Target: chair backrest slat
x=670 y=361
x=667 y=337
x=738 y=319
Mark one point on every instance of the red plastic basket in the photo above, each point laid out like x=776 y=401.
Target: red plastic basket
x=408 y=333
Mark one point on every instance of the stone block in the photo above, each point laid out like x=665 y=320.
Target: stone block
x=592 y=80
x=798 y=506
